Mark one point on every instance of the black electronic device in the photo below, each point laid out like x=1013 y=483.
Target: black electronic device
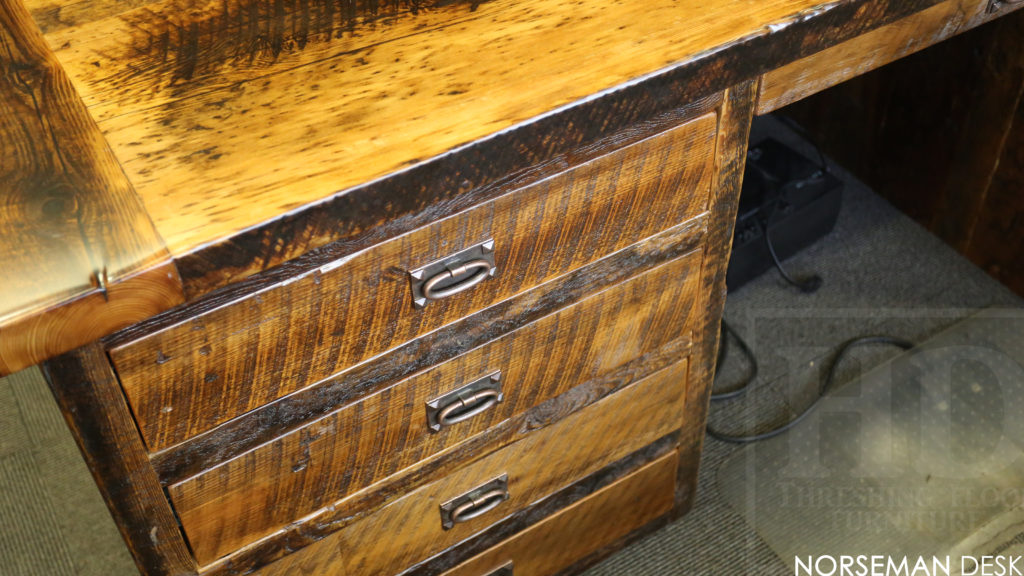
x=791 y=199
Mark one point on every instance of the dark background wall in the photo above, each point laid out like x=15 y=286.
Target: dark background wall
x=940 y=134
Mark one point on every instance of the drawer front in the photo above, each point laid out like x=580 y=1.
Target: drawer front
x=597 y=521
x=233 y=504
x=409 y=529
x=187 y=378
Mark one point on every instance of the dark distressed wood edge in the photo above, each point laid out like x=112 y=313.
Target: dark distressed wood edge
x=734 y=131
x=90 y=398
x=412 y=197
x=272 y=420
x=545 y=508
x=64 y=180
x=325 y=522
x=423 y=213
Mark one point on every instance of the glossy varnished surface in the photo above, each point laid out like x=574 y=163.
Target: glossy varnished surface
x=192 y=376
x=386 y=432
x=247 y=109
x=74 y=236
x=228 y=114
x=213 y=106
x=327 y=521
x=236 y=203
x=254 y=428
x=221 y=119
x=737 y=113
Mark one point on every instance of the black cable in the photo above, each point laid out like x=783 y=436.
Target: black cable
x=723 y=345
x=806 y=285
x=822 y=389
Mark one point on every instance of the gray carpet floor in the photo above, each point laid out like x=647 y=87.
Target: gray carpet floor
x=882 y=273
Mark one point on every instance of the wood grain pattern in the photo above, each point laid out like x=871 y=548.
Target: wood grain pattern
x=881 y=46
x=268 y=422
x=734 y=132
x=94 y=408
x=365 y=442
x=79 y=320
x=54 y=15
x=383 y=209
x=193 y=94
x=547 y=507
x=597 y=556
x=81 y=257
x=434 y=187
x=594 y=522
x=582 y=444
x=979 y=203
x=327 y=521
x=340 y=212
x=351 y=214
x=195 y=146
x=190 y=377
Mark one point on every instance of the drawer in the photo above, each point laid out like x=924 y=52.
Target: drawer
x=332 y=457
x=409 y=529
x=187 y=378
x=597 y=521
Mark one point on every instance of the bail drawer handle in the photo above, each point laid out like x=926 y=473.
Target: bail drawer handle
x=479 y=506
x=465 y=402
x=482 y=267
x=474 y=503
x=453 y=274
x=466 y=408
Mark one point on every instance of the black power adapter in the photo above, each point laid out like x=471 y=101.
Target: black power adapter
x=787 y=203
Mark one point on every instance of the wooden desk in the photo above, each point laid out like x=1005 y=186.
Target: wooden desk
x=313 y=276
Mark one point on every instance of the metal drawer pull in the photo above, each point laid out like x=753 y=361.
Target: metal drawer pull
x=446 y=277
x=483 y=268
x=466 y=408
x=479 y=506
x=474 y=503
x=464 y=403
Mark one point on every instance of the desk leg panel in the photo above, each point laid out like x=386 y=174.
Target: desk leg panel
x=94 y=407
x=733 y=134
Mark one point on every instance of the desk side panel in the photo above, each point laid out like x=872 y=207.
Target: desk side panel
x=90 y=397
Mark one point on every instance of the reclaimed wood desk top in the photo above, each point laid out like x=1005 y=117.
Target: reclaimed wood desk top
x=153 y=152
